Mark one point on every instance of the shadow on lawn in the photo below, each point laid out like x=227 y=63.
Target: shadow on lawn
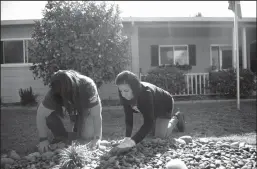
x=218 y=119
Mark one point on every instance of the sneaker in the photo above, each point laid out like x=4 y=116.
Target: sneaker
x=181 y=121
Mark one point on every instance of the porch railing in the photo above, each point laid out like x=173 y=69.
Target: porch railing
x=196 y=84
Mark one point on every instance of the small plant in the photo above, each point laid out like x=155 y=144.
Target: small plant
x=75 y=156
x=27 y=97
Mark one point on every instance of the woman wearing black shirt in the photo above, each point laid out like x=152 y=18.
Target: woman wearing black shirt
x=148 y=99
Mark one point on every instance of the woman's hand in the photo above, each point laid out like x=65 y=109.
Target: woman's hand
x=123 y=140
x=43 y=146
x=94 y=143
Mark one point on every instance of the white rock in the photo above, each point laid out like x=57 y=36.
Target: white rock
x=203 y=140
x=187 y=139
x=6 y=161
x=102 y=147
x=14 y=155
x=241 y=144
x=35 y=154
x=234 y=144
x=180 y=141
x=176 y=164
x=105 y=143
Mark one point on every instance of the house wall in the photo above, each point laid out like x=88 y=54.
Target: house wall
x=202 y=47
x=13 y=78
x=17 y=31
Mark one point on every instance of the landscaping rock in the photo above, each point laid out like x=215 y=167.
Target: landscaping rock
x=203 y=140
x=180 y=141
x=241 y=144
x=6 y=161
x=14 y=155
x=235 y=144
x=187 y=139
x=154 y=154
x=176 y=164
x=48 y=155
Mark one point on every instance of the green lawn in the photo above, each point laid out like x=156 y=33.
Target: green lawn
x=217 y=121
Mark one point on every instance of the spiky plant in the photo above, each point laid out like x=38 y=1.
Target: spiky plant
x=75 y=156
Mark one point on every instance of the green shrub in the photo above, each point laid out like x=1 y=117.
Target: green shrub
x=27 y=97
x=169 y=78
x=224 y=82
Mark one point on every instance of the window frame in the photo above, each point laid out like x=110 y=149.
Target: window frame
x=25 y=57
x=220 y=54
x=174 y=46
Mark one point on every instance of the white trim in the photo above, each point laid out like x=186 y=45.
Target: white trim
x=24 y=40
x=244 y=48
x=220 y=53
x=174 y=46
x=16 y=65
x=15 y=39
x=148 y=19
x=210 y=56
x=24 y=52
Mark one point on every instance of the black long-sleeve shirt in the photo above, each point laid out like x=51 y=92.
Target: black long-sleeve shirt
x=152 y=102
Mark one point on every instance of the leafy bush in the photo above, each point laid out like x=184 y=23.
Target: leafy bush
x=86 y=36
x=224 y=82
x=27 y=97
x=169 y=78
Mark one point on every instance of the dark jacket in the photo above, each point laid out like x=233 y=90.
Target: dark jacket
x=152 y=102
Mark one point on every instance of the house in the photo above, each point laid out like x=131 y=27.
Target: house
x=198 y=41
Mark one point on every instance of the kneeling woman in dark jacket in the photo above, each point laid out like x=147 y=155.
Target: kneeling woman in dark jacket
x=153 y=102
x=79 y=96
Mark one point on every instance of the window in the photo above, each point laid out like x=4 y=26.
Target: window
x=222 y=57
x=177 y=54
x=15 y=51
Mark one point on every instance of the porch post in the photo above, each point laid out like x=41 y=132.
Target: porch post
x=233 y=51
x=134 y=50
x=244 y=47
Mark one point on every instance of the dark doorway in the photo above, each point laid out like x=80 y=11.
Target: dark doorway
x=227 y=59
x=253 y=57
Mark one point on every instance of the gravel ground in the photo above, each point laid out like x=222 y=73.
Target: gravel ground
x=149 y=154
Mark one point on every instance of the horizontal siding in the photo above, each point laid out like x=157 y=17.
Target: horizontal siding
x=14 y=78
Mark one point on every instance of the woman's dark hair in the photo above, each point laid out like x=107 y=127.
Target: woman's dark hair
x=70 y=90
x=127 y=77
